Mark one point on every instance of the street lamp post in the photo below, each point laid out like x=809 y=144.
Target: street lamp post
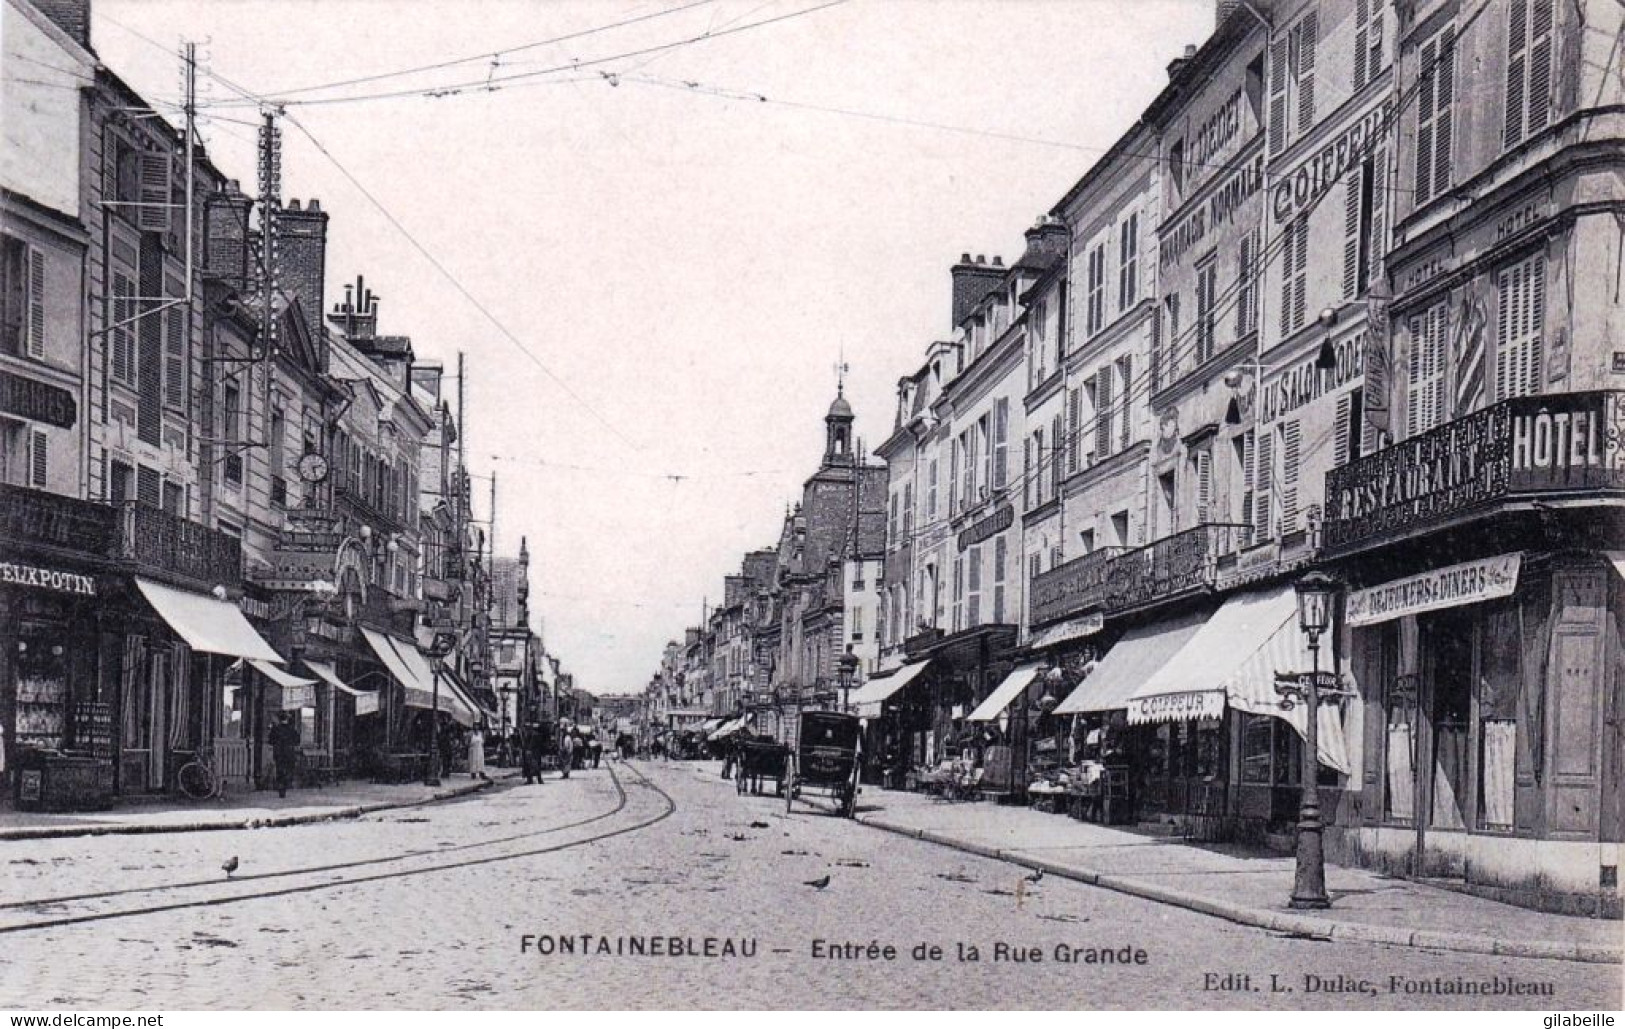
x=848 y=667
x=442 y=645
x=1315 y=593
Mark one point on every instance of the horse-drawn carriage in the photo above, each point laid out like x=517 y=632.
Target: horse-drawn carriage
x=826 y=759
x=760 y=757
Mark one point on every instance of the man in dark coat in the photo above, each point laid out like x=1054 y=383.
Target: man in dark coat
x=284 y=751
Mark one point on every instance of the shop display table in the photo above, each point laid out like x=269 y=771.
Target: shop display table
x=55 y=780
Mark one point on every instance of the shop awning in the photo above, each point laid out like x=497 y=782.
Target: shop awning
x=880 y=687
x=1234 y=658
x=296 y=692
x=1185 y=687
x=1065 y=632
x=366 y=701
x=1008 y=690
x=452 y=701
x=207 y=625
x=727 y=729
x=328 y=674
x=1252 y=689
x=1141 y=651
x=411 y=669
x=448 y=675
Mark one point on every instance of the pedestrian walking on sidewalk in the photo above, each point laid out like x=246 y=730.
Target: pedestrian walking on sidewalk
x=567 y=752
x=476 y=754
x=284 y=751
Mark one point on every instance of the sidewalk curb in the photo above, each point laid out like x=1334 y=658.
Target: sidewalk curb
x=1275 y=921
x=48 y=832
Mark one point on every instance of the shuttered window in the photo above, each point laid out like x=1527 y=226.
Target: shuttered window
x=1247 y=271
x=34 y=293
x=1294 y=275
x=1520 y=317
x=1356 y=201
x=1207 y=278
x=1001 y=443
x=1128 y=264
x=1291 y=443
x=1306 y=37
x=1529 y=69
x=153 y=214
x=1280 y=71
x=1000 y=557
x=1027 y=473
x=1074 y=429
x=1057 y=467
x=1368 y=29
x=122 y=345
x=1435 y=115
x=1203 y=459
x=1246 y=472
x=953 y=477
x=38 y=459
x=1097 y=290
x=931 y=491
x=1125 y=392
x=175 y=378
x=1263 y=481
x=1103 y=414
x=1424 y=388
x=973 y=589
x=149 y=486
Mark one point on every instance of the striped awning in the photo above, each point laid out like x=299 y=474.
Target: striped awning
x=366 y=701
x=1007 y=691
x=1234 y=658
x=880 y=687
x=296 y=692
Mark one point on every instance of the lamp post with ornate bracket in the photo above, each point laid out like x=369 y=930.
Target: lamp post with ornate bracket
x=1316 y=592
x=442 y=645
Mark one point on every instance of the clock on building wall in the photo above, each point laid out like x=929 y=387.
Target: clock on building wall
x=313 y=468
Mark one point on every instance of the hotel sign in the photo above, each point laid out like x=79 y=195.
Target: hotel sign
x=1467 y=583
x=1524 y=446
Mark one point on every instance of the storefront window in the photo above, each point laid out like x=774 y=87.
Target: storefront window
x=42 y=686
x=1255 y=749
x=1449 y=643
x=1399 y=703
x=1500 y=683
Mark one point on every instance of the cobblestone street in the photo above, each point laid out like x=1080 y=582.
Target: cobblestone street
x=719 y=866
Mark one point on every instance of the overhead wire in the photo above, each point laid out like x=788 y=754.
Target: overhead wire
x=487 y=54
x=492 y=84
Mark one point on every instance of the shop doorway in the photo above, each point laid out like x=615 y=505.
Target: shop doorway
x=1444 y=789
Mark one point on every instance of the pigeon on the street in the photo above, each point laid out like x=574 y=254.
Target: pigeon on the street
x=229 y=865
x=817 y=884
x=1037 y=876
x=759 y=825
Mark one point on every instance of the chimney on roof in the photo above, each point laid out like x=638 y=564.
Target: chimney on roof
x=71 y=16
x=303 y=260
x=1179 y=62
x=972 y=280
x=225 y=235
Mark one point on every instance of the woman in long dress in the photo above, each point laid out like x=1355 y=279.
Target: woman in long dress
x=476 y=754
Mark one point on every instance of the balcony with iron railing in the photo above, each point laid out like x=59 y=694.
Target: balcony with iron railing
x=35 y=518
x=1114 y=580
x=138 y=536
x=153 y=539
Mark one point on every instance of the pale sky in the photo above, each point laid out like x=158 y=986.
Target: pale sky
x=688 y=260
